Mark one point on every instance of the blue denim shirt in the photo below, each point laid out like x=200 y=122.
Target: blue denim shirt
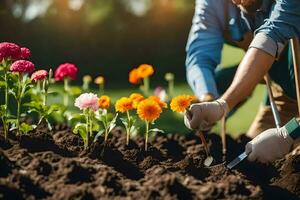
x=206 y=37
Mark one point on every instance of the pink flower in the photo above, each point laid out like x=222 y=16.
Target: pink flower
x=9 y=51
x=66 y=70
x=87 y=100
x=22 y=66
x=161 y=93
x=39 y=75
x=25 y=53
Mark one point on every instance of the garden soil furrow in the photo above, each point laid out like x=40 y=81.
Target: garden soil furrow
x=53 y=165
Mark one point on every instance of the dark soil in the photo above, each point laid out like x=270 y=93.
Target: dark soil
x=54 y=165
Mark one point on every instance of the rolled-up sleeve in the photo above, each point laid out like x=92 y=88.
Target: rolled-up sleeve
x=204 y=46
x=282 y=25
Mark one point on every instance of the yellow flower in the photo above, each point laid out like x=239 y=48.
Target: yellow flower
x=124 y=104
x=181 y=103
x=145 y=70
x=134 y=76
x=160 y=102
x=136 y=99
x=104 y=102
x=87 y=78
x=149 y=110
x=99 y=80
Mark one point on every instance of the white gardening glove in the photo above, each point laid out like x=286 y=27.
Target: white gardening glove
x=202 y=116
x=270 y=145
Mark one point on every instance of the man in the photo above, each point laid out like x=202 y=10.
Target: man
x=270 y=39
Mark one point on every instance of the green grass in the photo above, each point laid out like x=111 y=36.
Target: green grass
x=171 y=122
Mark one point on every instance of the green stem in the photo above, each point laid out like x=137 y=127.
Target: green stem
x=128 y=129
x=147 y=136
x=87 y=119
x=45 y=92
x=106 y=129
x=5 y=127
x=146 y=86
x=19 y=97
x=101 y=89
x=171 y=88
x=66 y=92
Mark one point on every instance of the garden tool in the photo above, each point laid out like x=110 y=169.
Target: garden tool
x=223 y=137
x=276 y=115
x=296 y=59
x=272 y=102
x=209 y=159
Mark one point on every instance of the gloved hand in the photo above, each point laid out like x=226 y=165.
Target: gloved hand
x=202 y=116
x=270 y=145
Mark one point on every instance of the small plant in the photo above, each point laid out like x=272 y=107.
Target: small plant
x=8 y=52
x=42 y=77
x=88 y=103
x=169 y=77
x=143 y=72
x=66 y=72
x=86 y=80
x=108 y=120
x=100 y=81
x=149 y=110
x=124 y=105
x=181 y=104
x=21 y=68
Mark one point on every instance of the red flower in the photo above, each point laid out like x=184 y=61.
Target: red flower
x=25 y=53
x=9 y=51
x=22 y=66
x=66 y=70
x=39 y=75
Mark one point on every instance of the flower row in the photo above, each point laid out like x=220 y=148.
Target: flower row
x=95 y=120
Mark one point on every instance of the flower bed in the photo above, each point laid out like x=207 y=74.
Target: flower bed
x=54 y=165
x=91 y=158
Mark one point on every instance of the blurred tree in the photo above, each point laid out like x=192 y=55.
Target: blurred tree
x=107 y=37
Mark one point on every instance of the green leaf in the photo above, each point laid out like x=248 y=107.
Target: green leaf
x=26 y=128
x=2 y=84
x=74 y=91
x=156 y=130
x=98 y=135
x=75 y=117
x=112 y=123
x=53 y=108
x=124 y=121
x=80 y=129
x=3 y=110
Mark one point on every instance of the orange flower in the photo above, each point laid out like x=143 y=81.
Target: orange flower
x=145 y=70
x=104 y=102
x=99 y=80
x=87 y=78
x=149 y=110
x=134 y=76
x=124 y=104
x=136 y=98
x=181 y=103
x=160 y=102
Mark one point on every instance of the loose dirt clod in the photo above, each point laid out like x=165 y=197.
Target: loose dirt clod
x=54 y=165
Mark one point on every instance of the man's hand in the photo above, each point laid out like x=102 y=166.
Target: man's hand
x=249 y=6
x=270 y=145
x=203 y=116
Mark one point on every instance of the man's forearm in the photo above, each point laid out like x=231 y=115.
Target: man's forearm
x=251 y=71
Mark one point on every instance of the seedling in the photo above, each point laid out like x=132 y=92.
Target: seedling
x=66 y=72
x=169 y=77
x=143 y=72
x=20 y=69
x=180 y=104
x=108 y=120
x=44 y=111
x=149 y=111
x=86 y=80
x=100 y=81
x=88 y=103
